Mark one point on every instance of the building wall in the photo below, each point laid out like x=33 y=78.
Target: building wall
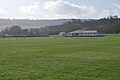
x=84 y=34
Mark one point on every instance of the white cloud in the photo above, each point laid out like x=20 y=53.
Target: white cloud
x=118 y=6
x=104 y=13
x=115 y=11
x=31 y=9
x=53 y=9
x=58 y=9
x=2 y=11
x=66 y=9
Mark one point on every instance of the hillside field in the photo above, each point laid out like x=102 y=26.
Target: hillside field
x=60 y=58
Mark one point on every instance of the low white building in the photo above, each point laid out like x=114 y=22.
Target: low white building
x=82 y=33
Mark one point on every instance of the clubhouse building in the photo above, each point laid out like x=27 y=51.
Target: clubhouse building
x=82 y=33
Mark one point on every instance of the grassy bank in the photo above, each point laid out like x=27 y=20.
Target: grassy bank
x=60 y=58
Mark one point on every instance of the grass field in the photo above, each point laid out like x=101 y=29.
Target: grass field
x=60 y=58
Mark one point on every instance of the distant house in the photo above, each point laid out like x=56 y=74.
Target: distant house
x=62 y=34
x=84 y=33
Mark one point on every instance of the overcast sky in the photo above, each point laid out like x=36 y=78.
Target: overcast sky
x=56 y=9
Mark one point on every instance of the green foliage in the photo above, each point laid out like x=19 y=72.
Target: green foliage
x=60 y=58
x=15 y=30
x=106 y=25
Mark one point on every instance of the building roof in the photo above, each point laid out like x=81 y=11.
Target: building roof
x=84 y=31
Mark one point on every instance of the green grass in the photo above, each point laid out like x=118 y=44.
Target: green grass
x=60 y=58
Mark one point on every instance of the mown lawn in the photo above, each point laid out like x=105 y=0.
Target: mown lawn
x=60 y=58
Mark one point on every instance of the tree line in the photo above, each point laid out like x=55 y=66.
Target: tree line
x=17 y=31
x=107 y=25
